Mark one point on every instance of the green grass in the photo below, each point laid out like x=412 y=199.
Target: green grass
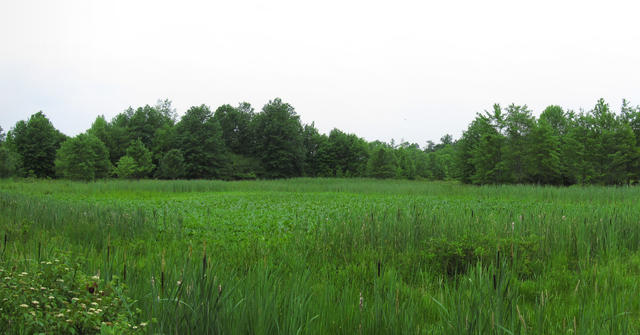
x=324 y=256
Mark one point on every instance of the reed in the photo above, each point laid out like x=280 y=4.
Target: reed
x=311 y=256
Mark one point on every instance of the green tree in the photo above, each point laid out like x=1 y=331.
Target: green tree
x=622 y=159
x=235 y=123
x=631 y=116
x=99 y=129
x=279 y=145
x=142 y=158
x=9 y=159
x=486 y=154
x=560 y=123
x=574 y=151
x=117 y=135
x=144 y=123
x=9 y=162
x=199 y=137
x=172 y=165
x=126 y=167
x=382 y=163
x=314 y=145
x=468 y=144
x=543 y=154
x=83 y=157
x=165 y=108
x=345 y=154
x=36 y=141
x=406 y=166
x=518 y=124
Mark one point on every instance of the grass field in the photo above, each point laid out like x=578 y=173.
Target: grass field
x=318 y=256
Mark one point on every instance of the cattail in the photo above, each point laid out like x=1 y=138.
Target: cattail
x=204 y=259
x=162 y=274
x=219 y=288
x=361 y=300
x=108 y=247
x=179 y=283
x=379 y=266
x=124 y=267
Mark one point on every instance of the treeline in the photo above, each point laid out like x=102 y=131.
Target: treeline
x=502 y=146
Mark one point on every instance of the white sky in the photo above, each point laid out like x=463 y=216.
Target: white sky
x=411 y=70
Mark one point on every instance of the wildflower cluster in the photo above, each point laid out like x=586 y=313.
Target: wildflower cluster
x=53 y=297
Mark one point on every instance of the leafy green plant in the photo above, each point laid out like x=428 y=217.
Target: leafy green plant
x=54 y=297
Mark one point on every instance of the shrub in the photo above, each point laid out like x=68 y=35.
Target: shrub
x=53 y=297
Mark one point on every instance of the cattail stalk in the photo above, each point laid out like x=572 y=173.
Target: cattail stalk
x=108 y=247
x=204 y=259
x=124 y=267
x=162 y=274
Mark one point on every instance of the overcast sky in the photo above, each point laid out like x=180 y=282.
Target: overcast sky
x=411 y=70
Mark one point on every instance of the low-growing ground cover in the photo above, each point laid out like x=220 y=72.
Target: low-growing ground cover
x=333 y=255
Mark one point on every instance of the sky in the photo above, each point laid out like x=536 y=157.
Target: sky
x=407 y=70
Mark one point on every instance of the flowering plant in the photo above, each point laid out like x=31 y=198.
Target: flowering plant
x=54 y=297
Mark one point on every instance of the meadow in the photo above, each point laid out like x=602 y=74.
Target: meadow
x=317 y=256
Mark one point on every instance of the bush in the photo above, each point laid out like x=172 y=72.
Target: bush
x=83 y=157
x=53 y=297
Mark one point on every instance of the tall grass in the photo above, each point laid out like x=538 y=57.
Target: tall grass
x=399 y=257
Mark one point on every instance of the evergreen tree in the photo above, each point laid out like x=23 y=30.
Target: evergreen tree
x=172 y=165
x=126 y=167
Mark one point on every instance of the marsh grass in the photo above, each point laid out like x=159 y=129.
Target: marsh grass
x=352 y=256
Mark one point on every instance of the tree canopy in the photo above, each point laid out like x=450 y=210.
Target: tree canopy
x=503 y=145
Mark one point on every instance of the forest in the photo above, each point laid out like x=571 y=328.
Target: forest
x=501 y=146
